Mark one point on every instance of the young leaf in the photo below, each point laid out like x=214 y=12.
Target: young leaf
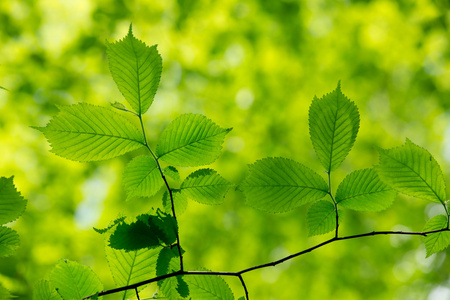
x=12 y=204
x=435 y=242
x=412 y=170
x=131 y=267
x=119 y=106
x=208 y=287
x=205 y=186
x=142 y=178
x=280 y=184
x=172 y=172
x=136 y=69
x=179 y=200
x=86 y=132
x=363 y=190
x=191 y=140
x=321 y=218
x=74 y=281
x=43 y=290
x=333 y=126
x=134 y=236
x=9 y=241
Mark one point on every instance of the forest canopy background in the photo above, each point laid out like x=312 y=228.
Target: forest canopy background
x=251 y=65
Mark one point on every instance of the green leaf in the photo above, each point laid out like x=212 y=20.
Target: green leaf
x=12 y=204
x=85 y=132
x=119 y=106
x=9 y=241
x=134 y=236
x=136 y=69
x=43 y=290
x=333 y=126
x=435 y=242
x=321 y=218
x=208 y=287
x=179 y=200
x=2 y=88
x=363 y=190
x=4 y=293
x=412 y=170
x=172 y=172
x=131 y=267
x=205 y=186
x=142 y=178
x=168 y=262
x=280 y=184
x=74 y=281
x=191 y=140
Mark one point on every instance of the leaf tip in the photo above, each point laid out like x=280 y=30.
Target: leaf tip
x=130 y=29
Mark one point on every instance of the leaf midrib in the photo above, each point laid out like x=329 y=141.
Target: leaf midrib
x=334 y=135
x=196 y=141
x=94 y=134
x=292 y=186
x=434 y=192
x=137 y=76
x=363 y=194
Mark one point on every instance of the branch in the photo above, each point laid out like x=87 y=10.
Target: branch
x=168 y=189
x=271 y=264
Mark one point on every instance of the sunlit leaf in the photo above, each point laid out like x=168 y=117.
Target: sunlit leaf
x=172 y=172
x=436 y=242
x=179 y=200
x=191 y=140
x=142 y=178
x=321 y=218
x=85 y=132
x=5 y=294
x=131 y=267
x=280 y=184
x=74 y=281
x=205 y=186
x=333 y=126
x=43 y=290
x=363 y=190
x=412 y=170
x=9 y=241
x=136 y=69
x=208 y=287
x=12 y=204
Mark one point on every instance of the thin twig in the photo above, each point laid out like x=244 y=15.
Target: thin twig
x=168 y=189
x=244 y=286
x=335 y=205
x=271 y=264
x=137 y=293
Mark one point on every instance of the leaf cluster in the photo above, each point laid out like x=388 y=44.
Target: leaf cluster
x=149 y=244
x=12 y=206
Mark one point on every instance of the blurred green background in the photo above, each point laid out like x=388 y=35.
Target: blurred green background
x=252 y=65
